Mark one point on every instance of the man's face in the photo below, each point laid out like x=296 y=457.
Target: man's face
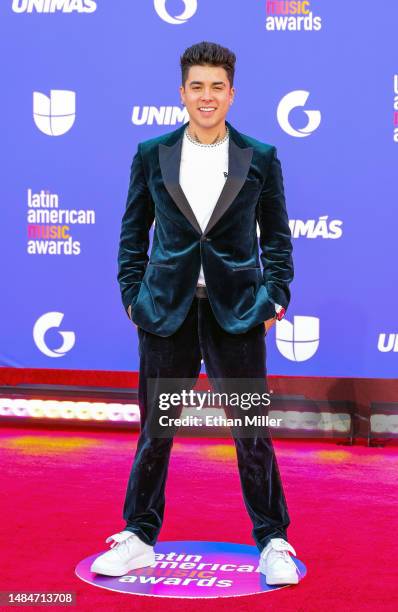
x=207 y=87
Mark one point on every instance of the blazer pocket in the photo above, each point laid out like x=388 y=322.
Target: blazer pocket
x=239 y=268
x=161 y=265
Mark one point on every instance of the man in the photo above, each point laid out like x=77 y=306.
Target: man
x=202 y=293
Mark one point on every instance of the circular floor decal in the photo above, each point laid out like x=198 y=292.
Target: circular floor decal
x=191 y=569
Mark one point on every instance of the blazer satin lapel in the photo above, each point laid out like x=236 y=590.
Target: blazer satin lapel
x=169 y=160
x=238 y=166
x=239 y=160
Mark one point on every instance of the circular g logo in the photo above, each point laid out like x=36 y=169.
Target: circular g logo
x=288 y=103
x=42 y=325
x=189 y=10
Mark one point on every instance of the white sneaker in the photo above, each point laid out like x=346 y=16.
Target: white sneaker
x=128 y=552
x=276 y=563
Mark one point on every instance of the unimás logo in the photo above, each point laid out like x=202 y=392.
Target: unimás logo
x=47 y=321
x=55 y=114
x=323 y=227
x=387 y=343
x=54 y=6
x=290 y=101
x=298 y=341
x=161 y=115
x=190 y=7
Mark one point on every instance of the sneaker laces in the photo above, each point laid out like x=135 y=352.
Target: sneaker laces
x=119 y=540
x=280 y=550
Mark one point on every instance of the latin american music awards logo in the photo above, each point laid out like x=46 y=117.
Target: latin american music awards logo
x=291 y=15
x=191 y=569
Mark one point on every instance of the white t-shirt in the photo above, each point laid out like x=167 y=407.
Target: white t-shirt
x=203 y=172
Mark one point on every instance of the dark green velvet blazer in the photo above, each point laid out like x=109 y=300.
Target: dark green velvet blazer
x=160 y=288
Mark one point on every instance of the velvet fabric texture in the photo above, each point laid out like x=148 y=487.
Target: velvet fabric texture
x=227 y=357
x=160 y=288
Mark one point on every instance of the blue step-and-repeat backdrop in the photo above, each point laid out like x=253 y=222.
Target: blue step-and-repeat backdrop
x=83 y=82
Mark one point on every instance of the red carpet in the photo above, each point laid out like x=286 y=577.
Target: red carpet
x=62 y=495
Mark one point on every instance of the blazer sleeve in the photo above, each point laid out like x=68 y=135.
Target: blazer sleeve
x=275 y=235
x=134 y=235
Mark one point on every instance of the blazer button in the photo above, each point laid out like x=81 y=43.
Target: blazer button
x=205 y=239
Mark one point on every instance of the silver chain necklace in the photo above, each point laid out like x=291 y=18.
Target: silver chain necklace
x=203 y=144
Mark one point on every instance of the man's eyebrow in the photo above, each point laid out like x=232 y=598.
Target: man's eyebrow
x=201 y=83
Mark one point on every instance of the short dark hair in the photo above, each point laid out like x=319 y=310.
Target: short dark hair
x=204 y=53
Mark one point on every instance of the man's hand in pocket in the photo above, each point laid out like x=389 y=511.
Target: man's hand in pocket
x=129 y=313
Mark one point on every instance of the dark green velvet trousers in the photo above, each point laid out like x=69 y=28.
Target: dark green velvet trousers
x=227 y=357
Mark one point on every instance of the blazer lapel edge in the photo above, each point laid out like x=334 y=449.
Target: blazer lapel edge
x=238 y=167
x=239 y=160
x=169 y=162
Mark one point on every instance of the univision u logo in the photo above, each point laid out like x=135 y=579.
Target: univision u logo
x=55 y=114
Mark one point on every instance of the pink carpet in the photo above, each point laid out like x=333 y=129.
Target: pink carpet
x=62 y=495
